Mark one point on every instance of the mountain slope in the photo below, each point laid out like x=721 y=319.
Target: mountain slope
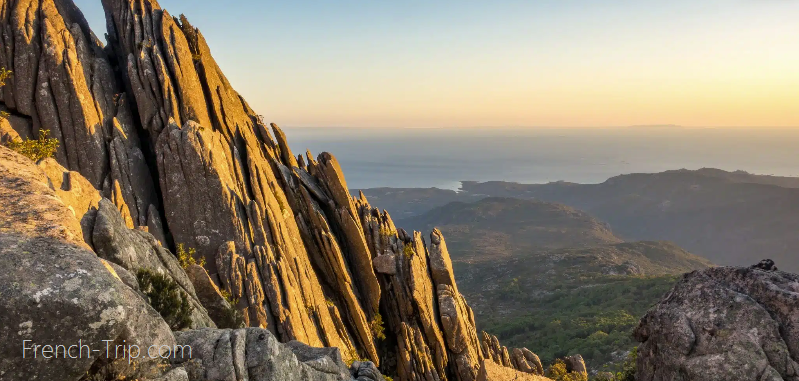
x=500 y=226
x=716 y=215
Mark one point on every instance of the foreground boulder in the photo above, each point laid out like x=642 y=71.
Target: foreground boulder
x=731 y=324
x=255 y=354
x=55 y=291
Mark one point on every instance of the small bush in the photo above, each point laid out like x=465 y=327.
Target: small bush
x=386 y=232
x=557 y=371
x=627 y=372
x=232 y=315
x=352 y=356
x=37 y=149
x=229 y=298
x=513 y=289
x=408 y=250
x=4 y=75
x=378 y=330
x=166 y=297
x=186 y=258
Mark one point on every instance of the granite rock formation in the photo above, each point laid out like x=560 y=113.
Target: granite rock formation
x=60 y=292
x=64 y=294
x=64 y=82
x=177 y=157
x=725 y=323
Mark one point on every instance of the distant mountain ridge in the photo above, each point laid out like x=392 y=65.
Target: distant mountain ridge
x=734 y=218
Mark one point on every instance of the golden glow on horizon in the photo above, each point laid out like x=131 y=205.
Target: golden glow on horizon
x=619 y=97
x=703 y=64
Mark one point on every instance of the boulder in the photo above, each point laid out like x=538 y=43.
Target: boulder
x=61 y=293
x=491 y=371
x=725 y=323
x=254 y=354
x=75 y=191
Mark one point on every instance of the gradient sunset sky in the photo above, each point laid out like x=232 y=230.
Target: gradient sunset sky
x=505 y=63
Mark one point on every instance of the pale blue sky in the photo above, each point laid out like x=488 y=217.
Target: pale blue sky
x=505 y=63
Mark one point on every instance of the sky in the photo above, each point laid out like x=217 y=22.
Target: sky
x=520 y=63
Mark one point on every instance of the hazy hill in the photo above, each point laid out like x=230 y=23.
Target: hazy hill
x=501 y=226
x=731 y=218
x=408 y=202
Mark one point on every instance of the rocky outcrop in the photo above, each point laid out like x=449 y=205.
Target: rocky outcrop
x=63 y=83
x=59 y=292
x=491 y=371
x=255 y=354
x=177 y=157
x=136 y=250
x=575 y=364
x=723 y=323
x=75 y=192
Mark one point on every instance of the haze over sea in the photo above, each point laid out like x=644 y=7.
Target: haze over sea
x=405 y=157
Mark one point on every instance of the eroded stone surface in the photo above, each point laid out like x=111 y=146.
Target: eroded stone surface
x=723 y=324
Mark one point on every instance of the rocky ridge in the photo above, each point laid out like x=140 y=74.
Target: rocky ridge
x=165 y=152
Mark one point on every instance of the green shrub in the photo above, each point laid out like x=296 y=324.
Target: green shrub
x=186 y=258
x=232 y=315
x=557 y=371
x=386 y=232
x=37 y=149
x=408 y=250
x=512 y=289
x=378 y=330
x=353 y=356
x=166 y=297
x=4 y=75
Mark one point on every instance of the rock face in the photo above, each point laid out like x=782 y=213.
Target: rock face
x=170 y=154
x=59 y=292
x=723 y=324
x=63 y=83
x=255 y=354
x=136 y=250
x=490 y=371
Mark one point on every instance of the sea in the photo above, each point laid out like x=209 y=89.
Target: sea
x=443 y=157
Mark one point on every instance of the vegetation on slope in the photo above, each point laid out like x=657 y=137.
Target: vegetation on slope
x=595 y=322
x=166 y=297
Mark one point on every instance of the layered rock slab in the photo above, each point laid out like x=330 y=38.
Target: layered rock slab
x=63 y=83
